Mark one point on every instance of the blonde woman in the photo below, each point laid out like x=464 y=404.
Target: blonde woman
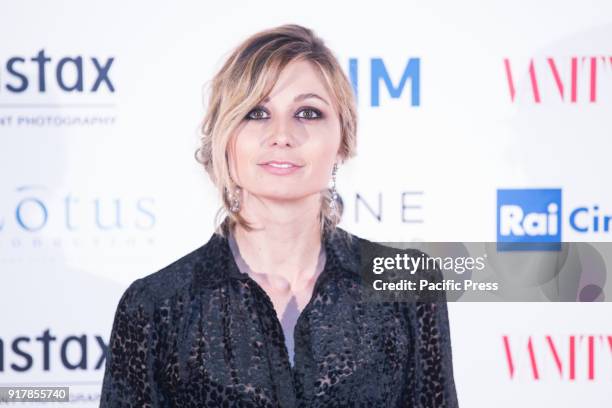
x=270 y=311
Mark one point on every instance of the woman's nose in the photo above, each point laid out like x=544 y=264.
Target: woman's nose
x=281 y=133
x=281 y=139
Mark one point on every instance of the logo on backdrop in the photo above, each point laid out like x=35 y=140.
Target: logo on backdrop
x=529 y=216
x=33 y=87
x=533 y=218
x=379 y=74
x=47 y=352
x=36 y=216
x=569 y=80
x=572 y=357
x=401 y=206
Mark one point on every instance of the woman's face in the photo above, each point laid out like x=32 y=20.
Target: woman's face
x=286 y=147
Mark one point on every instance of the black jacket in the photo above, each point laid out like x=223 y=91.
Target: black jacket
x=199 y=333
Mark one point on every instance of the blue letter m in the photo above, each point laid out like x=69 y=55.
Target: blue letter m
x=378 y=72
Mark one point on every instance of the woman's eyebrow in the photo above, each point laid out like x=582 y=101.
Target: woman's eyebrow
x=301 y=97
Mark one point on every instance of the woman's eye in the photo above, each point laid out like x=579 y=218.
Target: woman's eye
x=307 y=113
x=310 y=114
x=256 y=114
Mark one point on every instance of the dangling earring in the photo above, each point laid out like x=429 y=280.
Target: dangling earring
x=334 y=193
x=234 y=199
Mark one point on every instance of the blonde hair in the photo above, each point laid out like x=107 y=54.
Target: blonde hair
x=244 y=80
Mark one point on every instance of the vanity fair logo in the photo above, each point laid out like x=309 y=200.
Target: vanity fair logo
x=571 y=357
x=573 y=80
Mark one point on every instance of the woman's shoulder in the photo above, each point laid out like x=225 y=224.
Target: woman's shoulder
x=357 y=251
x=176 y=278
x=175 y=275
x=355 y=244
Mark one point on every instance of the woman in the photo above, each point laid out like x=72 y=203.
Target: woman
x=270 y=311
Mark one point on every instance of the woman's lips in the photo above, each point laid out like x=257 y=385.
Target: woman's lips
x=280 y=168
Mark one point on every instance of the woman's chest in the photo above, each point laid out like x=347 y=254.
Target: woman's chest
x=233 y=343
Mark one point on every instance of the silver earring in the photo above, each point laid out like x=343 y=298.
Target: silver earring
x=234 y=199
x=334 y=193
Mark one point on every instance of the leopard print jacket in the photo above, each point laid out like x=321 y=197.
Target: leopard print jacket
x=200 y=333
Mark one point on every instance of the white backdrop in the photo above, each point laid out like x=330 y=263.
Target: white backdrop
x=99 y=187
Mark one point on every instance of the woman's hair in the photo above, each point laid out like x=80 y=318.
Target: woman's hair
x=244 y=80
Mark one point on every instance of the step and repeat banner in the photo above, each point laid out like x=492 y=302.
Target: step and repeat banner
x=478 y=121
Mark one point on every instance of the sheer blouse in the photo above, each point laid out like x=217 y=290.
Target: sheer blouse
x=200 y=333
x=291 y=313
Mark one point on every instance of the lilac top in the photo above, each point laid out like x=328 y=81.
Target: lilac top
x=292 y=312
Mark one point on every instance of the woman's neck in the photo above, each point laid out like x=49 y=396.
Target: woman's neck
x=285 y=243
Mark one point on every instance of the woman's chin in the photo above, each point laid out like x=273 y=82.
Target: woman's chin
x=284 y=197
